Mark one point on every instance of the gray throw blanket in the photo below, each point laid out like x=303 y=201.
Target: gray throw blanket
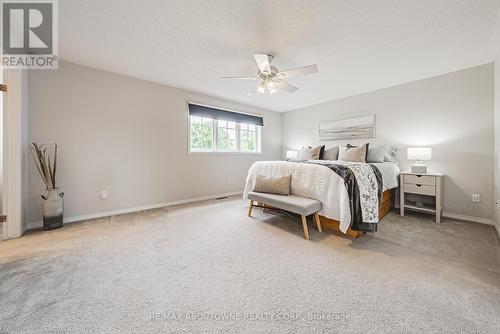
x=364 y=187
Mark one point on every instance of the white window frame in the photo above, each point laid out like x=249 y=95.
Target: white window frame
x=215 y=136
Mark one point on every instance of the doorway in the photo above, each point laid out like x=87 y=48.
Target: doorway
x=3 y=225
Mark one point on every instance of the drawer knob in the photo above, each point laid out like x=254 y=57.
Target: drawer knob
x=419 y=175
x=418 y=185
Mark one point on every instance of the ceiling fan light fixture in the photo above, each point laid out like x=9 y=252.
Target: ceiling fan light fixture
x=262 y=88
x=272 y=79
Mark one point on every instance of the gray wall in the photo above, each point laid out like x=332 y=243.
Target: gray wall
x=128 y=137
x=453 y=113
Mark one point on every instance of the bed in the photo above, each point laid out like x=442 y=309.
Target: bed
x=317 y=179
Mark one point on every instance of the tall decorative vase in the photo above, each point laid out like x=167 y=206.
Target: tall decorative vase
x=53 y=210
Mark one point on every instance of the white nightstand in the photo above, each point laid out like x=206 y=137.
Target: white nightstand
x=430 y=184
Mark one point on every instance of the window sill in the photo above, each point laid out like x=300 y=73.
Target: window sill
x=223 y=153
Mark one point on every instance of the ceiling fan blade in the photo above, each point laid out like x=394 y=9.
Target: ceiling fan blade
x=262 y=62
x=282 y=84
x=240 y=78
x=297 y=72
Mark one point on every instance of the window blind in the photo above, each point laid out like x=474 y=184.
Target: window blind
x=203 y=111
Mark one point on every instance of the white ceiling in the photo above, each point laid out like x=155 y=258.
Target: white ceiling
x=359 y=46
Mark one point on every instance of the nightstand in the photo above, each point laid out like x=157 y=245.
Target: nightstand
x=426 y=186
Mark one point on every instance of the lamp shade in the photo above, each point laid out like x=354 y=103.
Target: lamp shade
x=291 y=154
x=419 y=153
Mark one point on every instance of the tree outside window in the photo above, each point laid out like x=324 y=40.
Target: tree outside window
x=216 y=135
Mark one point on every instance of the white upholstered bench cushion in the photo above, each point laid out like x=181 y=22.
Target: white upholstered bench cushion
x=291 y=203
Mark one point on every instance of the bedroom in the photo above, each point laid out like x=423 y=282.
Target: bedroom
x=154 y=151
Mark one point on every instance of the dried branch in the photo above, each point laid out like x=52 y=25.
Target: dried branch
x=46 y=169
x=38 y=167
x=55 y=165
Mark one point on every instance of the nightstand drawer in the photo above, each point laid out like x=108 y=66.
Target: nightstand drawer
x=420 y=179
x=419 y=189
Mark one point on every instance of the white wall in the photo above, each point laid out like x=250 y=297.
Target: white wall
x=453 y=113
x=128 y=137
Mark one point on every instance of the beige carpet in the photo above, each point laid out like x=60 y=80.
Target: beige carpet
x=207 y=268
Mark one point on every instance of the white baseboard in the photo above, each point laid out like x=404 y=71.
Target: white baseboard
x=73 y=219
x=479 y=220
x=466 y=218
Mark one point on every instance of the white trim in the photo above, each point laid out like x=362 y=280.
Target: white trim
x=73 y=219
x=472 y=219
x=466 y=218
x=15 y=153
x=225 y=152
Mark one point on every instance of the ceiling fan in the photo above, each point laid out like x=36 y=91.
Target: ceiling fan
x=271 y=79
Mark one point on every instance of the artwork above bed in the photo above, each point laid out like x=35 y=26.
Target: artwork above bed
x=348 y=128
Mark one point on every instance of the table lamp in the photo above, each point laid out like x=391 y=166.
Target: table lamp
x=419 y=154
x=291 y=155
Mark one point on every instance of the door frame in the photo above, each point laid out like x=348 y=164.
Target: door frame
x=15 y=152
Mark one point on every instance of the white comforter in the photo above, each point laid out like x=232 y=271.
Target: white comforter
x=321 y=183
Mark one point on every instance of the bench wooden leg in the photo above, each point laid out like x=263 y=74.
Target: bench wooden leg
x=318 y=222
x=304 y=225
x=250 y=207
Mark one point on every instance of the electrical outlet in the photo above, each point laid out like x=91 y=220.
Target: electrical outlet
x=476 y=198
x=229 y=180
x=104 y=194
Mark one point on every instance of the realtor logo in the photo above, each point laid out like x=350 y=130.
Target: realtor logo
x=29 y=34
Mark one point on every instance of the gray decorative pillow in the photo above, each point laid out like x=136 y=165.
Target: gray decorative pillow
x=331 y=153
x=391 y=153
x=310 y=153
x=279 y=185
x=353 y=153
x=376 y=154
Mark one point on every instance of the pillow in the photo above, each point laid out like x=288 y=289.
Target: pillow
x=367 y=144
x=279 y=185
x=391 y=153
x=376 y=154
x=353 y=153
x=331 y=153
x=308 y=153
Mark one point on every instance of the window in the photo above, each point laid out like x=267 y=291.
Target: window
x=202 y=133
x=216 y=130
x=248 y=137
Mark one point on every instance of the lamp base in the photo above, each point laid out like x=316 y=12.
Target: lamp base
x=419 y=169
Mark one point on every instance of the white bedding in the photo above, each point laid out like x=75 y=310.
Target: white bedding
x=321 y=183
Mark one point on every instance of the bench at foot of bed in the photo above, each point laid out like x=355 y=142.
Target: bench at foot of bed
x=299 y=205
x=322 y=222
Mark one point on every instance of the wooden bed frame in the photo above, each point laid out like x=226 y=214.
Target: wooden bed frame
x=386 y=207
